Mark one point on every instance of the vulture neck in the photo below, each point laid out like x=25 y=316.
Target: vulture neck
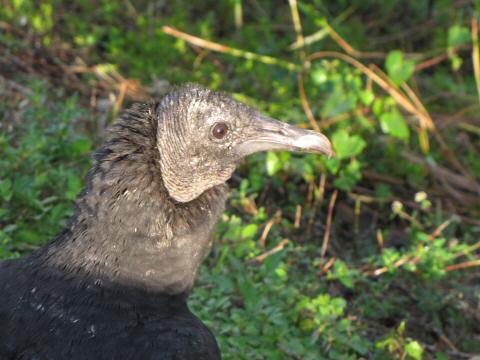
x=127 y=231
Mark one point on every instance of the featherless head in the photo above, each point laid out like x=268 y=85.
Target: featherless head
x=202 y=135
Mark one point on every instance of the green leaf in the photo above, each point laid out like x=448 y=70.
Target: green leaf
x=5 y=189
x=394 y=123
x=333 y=164
x=282 y=273
x=458 y=35
x=347 y=146
x=81 y=146
x=359 y=344
x=414 y=349
x=345 y=275
x=319 y=75
x=367 y=97
x=456 y=61
x=349 y=176
x=28 y=236
x=399 y=70
x=74 y=186
x=273 y=163
x=249 y=231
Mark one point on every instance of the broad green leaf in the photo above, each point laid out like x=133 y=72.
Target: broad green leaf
x=282 y=273
x=249 y=231
x=319 y=75
x=394 y=123
x=367 y=97
x=81 y=146
x=333 y=164
x=456 y=61
x=415 y=350
x=458 y=35
x=399 y=69
x=273 y=163
x=343 y=274
x=347 y=146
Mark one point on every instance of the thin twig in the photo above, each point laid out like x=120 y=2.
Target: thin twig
x=469 y=128
x=453 y=354
x=431 y=62
x=303 y=55
x=263 y=239
x=464 y=265
x=120 y=98
x=280 y=246
x=400 y=262
x=425 y=120
x=228 y=50
x=476 y=52
x=298 y=28
x=326 y=237
x=446 y=175
x=448 y=342
x=306 y=104
x=322 y=33
x=16 y=86
x=238 y=13
x=439 y=230
x=468 y=251
x=318 y=200
x=380 y=240
x=349 y=49
x=298 y=217
x=329 y=264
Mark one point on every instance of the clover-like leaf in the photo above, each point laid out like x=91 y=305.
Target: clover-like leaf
x=399 y=69
x=394 y=123
x=347 y=146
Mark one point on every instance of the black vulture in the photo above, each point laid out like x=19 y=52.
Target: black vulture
x=114 y=283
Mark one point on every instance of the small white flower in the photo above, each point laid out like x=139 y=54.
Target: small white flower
x=420 y=196
x=397 y=206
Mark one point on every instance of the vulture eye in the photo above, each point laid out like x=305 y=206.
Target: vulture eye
x=219 y=130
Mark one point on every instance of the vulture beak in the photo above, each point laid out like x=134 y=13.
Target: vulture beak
x=266 y=134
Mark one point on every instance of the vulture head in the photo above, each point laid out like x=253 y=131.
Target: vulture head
x=202 y=135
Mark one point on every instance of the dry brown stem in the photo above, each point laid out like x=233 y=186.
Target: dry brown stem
x=280 y=246
x=326 y=237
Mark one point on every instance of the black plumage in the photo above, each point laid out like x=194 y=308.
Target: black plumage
x=114 y=283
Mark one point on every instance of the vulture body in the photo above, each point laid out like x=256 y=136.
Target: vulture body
x=114 y=283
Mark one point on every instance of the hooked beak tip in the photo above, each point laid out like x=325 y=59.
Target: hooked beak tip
x=314 y=142
x=270 y=134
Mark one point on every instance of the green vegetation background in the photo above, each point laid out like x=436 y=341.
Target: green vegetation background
x=371 y=254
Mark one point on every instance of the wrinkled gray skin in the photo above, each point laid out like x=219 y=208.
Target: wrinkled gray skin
x=114 y=283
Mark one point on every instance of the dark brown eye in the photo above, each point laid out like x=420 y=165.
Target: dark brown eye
x=219 y=130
